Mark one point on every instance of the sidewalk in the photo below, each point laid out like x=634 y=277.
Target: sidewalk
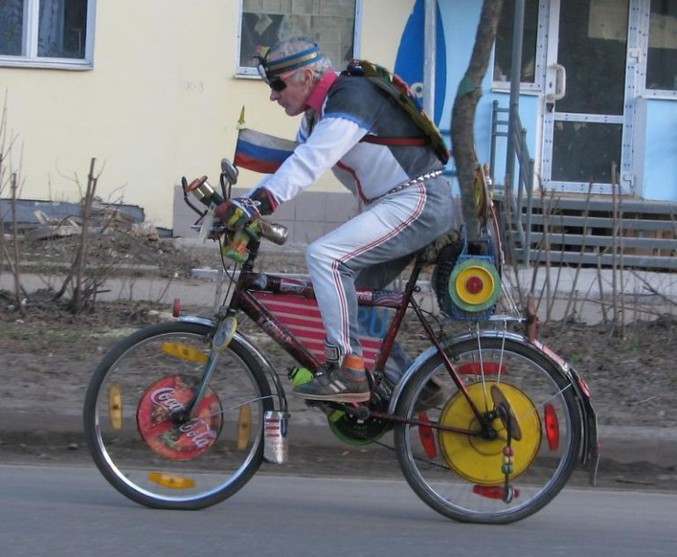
x=644 y=293
x=620 y=444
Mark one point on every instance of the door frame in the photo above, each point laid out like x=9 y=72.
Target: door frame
x=626 y=171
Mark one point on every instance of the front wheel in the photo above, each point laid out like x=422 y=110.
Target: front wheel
x=142 y=441
x=515 y=464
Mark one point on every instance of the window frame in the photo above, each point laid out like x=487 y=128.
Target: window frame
x=537 y=86
x=645 y=26
x=246 y=72
x=29 y=43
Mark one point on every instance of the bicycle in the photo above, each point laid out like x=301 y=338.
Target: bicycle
x=181 y=414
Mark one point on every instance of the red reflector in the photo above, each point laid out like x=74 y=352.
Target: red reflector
x=473 y=368
x=584 y=387
x=176 y=308
x=551 y=426
x=474 y=285
x=493 y=491
x=427 y=437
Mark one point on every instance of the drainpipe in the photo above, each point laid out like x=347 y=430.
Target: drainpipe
x=429 y=51
x=515 y=79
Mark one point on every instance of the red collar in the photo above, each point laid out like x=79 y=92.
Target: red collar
x=320 y=92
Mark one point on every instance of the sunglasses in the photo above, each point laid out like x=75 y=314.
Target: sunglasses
x=275 y=83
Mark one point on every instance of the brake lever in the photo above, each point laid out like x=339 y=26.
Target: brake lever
x=206 y=226
x=186 y=198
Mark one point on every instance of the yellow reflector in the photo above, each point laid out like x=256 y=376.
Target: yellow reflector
x=115 y=406
x=244 y=427
x=184 y=352
x=171 y=480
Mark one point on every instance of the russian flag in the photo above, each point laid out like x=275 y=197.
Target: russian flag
x=261 y=152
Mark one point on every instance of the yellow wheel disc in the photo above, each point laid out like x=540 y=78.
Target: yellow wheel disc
x=480 y=460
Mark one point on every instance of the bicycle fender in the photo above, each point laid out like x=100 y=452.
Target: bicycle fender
x=267 y=365
x=254 y=352
x=413 y=368
x=430 y=352
x=589 y=447
x=590 y=454
x=206 y=321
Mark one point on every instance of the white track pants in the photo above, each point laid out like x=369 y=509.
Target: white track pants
x=372 y=249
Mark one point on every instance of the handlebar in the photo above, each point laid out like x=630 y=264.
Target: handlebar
x=258 y=228
x=239 y=239
x=276 y=233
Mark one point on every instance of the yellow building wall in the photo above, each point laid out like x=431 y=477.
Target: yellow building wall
x=162 y=101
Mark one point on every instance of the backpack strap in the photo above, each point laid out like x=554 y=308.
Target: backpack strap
x=397 y=88
x=395 y=141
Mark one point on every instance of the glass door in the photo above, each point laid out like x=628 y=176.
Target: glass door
x=589 y=98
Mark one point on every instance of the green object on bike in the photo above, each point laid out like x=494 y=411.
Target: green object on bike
x=354 y=431
x=237 y=249
x=300 y=376
x=336 y=415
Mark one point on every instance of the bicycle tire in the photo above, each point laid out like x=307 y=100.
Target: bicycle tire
x=150 y=459
x=461 y=476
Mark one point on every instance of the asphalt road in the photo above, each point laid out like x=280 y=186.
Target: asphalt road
x=55 y=511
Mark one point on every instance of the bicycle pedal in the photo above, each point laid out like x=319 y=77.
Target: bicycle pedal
x=360 y=412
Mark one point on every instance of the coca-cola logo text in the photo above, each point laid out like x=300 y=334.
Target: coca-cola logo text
x=199 y=432
x=166 y=398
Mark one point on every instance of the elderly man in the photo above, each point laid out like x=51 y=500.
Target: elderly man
x=351 y=126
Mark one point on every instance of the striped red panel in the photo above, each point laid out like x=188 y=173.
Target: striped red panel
x=302 y=317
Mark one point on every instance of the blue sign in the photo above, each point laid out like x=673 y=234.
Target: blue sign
x=411 y=56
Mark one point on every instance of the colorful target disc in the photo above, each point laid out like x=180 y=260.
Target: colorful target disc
x=167 y=438
x=474 y=285
x=480 y=460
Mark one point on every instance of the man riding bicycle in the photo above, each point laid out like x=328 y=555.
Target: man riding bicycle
x=345 y=127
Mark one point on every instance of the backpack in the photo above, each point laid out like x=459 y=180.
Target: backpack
x=399 y=91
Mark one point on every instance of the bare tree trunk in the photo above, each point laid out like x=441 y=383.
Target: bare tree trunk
x=463 y=113
x=15 y=252
x=81 y=258
x=3 y=157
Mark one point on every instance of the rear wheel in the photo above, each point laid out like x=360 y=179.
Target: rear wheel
x=498 y=474
x=139 y=438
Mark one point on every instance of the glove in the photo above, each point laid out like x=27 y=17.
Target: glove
x=236 y=213
x=265 y=199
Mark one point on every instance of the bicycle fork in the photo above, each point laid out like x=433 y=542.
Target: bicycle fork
x=222 y=336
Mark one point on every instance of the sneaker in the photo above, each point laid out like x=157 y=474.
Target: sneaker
x=347 y=383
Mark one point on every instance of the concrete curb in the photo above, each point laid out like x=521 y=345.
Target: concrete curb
x=621 y=444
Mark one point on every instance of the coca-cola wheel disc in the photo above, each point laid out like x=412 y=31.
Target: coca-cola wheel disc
x=168 y=437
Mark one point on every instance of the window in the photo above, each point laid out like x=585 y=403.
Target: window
x=661 y=64
x=332 y=23
x=503 y=49
x=47 y=33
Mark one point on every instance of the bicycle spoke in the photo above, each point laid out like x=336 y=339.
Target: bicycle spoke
x=142 y=437
x=496 y=475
